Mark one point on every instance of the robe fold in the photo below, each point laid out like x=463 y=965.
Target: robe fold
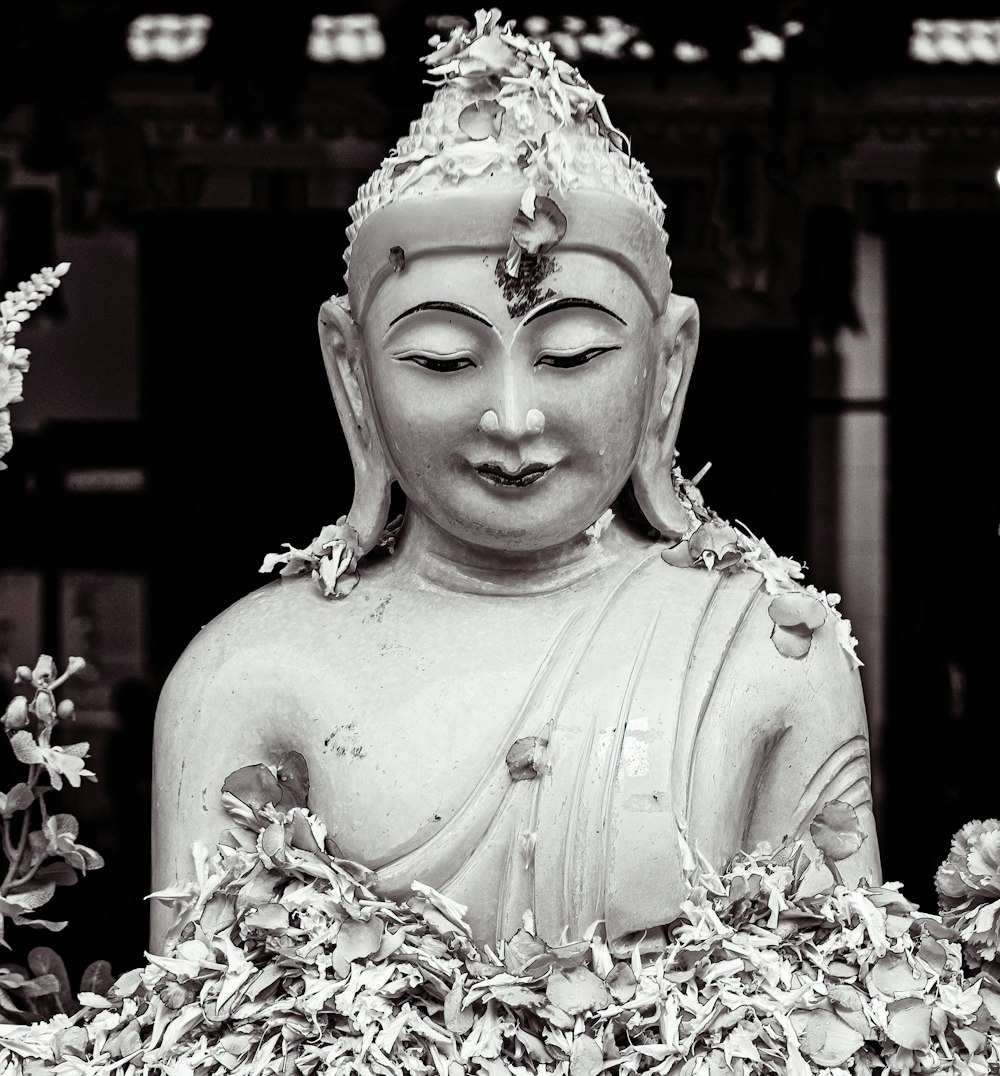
x=645 y=721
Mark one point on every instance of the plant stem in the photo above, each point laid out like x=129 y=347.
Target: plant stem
x=8 y=850
x=15 y=855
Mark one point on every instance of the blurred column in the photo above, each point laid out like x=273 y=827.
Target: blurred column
x=861 y=481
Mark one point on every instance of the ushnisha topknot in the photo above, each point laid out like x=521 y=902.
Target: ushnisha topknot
x=508 y=115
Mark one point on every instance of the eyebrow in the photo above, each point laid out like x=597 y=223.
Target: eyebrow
x=565 y=304
x=453 y=307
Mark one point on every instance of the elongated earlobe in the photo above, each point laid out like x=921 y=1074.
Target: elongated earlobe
x=342 y=353
x=651 y=480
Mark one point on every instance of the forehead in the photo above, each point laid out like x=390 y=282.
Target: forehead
x=472 y=278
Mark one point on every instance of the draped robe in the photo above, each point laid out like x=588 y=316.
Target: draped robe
x=675 y=734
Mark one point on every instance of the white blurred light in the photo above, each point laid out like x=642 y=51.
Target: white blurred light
x=764 y=46
x=689 y=53
x=536 y=25
x=957 y=41
x=573 y=24
x=355 y=39
x=792 y=28
x=642 y=50
x=566 y=45
x=998 y=177
x=174 y=38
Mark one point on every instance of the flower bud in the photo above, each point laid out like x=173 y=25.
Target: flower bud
x=44 y=670
x=16 y=716
x=23 y=675
x=66 y=711
x=44 y=707
x=74 y=665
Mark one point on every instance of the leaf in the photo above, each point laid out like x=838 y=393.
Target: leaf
x=302 y=836
x=836 y=831
x=825 y=1038
x=847 y=1004
x=621 y=983
x=792 y=642
x=45 y=962
x=517 y=996
x=716 y=544
x=521 y=950
x=255 y=786
x=97 y=978
x=796 y=616
x=25 y=749
x=538 y=235
x=267 y=917
x=39 y=987
x=910 y=1023
x=58 y=873
x=586 y=1058
x=293 y=773
x=31 y=896
x=481 y=119
x=577 y=990
x=892 y=974
x=525 y=759
x=457 y=1019
x=19 y=798
x=797 y=608
x=357 y=938
x=39 y=924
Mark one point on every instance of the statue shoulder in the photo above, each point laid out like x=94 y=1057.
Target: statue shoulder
x=265 y=642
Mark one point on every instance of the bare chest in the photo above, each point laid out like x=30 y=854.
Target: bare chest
x=402 y=732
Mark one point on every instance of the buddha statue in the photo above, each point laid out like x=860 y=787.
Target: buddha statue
x=567 y=658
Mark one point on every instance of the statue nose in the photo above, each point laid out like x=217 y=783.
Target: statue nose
x=534 y=423
x=514 y=418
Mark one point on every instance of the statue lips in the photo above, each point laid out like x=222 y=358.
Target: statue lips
x=525 y=475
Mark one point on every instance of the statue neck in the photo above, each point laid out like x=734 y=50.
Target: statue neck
x=440 y=558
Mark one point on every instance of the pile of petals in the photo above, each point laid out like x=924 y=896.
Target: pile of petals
x=968 y=885
x=714 y=543
x=284 y=960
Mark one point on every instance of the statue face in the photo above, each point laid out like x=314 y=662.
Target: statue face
x=511 y=423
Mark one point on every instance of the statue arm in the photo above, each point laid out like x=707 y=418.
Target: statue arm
x=187 y=763
x=213 y=717
x=819 y=752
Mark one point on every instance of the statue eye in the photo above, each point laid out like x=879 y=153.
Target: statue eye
x=438 y=366
x=578 y=358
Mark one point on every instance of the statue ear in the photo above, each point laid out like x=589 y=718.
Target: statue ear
x=342 y=353
x=651 y=480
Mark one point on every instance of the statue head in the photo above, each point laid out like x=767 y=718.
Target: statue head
x=509 y=349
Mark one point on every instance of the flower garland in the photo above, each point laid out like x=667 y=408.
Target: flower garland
x=283 y=958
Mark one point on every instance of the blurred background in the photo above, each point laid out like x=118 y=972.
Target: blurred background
x=832 y=179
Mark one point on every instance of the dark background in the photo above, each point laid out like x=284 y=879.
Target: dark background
x=203 y=204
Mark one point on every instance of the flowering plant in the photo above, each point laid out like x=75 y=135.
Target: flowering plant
x=15 y=309
x=283 y=958
x=968 y=885
x=41 y=848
